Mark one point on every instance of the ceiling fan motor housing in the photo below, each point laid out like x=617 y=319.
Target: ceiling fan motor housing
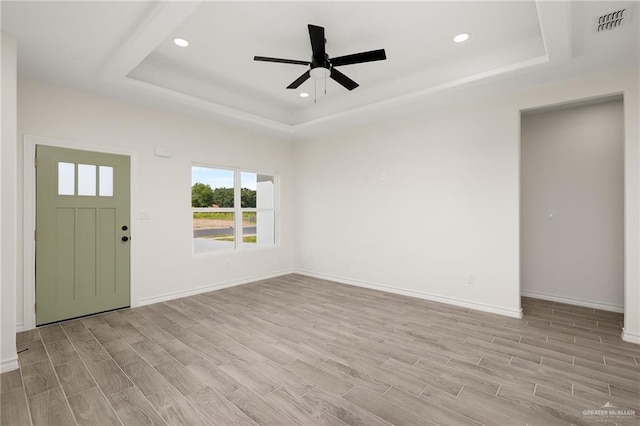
x=317 y=61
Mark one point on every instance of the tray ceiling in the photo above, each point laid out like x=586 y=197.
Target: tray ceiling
x=126 y=50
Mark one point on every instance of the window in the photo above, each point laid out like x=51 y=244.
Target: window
x=232 y=209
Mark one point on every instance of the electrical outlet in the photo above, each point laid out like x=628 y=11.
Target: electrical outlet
x=471 y=279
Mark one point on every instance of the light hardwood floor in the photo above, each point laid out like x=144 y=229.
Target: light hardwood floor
x=298 y=350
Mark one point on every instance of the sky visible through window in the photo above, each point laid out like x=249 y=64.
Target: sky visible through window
x=248 y=180
x=221 y=178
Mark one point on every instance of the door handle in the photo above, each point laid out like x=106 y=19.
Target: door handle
x=125 y=239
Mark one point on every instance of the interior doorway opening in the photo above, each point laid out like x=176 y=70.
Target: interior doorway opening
x=572 y=206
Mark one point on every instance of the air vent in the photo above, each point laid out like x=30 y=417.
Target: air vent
x=611 y=20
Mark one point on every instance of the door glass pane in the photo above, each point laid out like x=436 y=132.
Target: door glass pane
x=86 y=179
x=66 y=178
x=106 y=181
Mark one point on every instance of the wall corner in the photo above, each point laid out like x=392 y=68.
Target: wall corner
x=8 y=200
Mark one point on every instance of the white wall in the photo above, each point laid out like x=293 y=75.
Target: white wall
x=8 y=261
x=418 y=204
x=572 y=205
x=163 y=263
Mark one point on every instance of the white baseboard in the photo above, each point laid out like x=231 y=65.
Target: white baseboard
x=573 y=301
x=10 y=364
x=514 y=313
x=212 y=287
x=19 y=327
x=627 y=336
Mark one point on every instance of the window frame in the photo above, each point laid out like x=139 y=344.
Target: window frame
x=238 y=211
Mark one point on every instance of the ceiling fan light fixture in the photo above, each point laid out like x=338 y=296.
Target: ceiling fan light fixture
x=460 y=38
x=304 y=95
x=180 y=42
x=320 y=73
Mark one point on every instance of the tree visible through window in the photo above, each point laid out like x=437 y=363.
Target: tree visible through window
x=219 y=222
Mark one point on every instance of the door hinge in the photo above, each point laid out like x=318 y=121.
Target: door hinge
x=35 y=162
x=35 y=307
x=35 y=235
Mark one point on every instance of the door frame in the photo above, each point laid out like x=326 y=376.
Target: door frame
x=29 y=214
x=629 y=245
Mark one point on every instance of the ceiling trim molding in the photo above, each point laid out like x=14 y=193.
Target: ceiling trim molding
x=309 y=126
x=213 y=107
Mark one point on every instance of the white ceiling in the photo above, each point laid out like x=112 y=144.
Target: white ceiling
x=125 y=50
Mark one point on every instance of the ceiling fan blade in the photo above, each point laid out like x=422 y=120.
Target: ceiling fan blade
x=316 y=34
x=304 y=77
x=356 y=58
x=284 y=61
x=343 y=79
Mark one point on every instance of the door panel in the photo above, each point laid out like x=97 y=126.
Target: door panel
x=82 y=205
x=106 y=251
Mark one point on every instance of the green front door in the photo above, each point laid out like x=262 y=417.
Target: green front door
x=82 y=233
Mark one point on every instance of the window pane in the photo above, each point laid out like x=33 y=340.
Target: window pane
x=213 y=231
x=86 y=179
x=248 y=183
x=266 y=230
x=66 y=179
x=258 y=229
x=211 y=187
x=266 y=192
x=106 y=181
x=249 y=227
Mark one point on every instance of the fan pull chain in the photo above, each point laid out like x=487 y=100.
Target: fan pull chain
x=315 y=92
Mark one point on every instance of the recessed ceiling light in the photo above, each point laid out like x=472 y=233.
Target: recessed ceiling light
x=304 y=95
x=461 y=37
x=180 y=42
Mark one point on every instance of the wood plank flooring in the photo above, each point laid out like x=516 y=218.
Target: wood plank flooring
x=302 y=351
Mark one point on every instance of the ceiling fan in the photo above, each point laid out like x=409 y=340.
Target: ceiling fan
x=322 y=66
